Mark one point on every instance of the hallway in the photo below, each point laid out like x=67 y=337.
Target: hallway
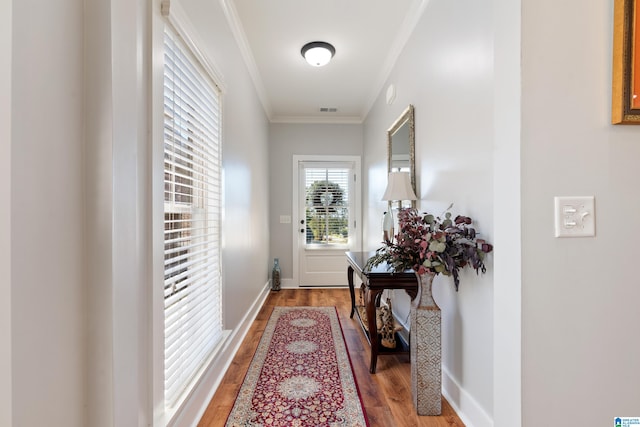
x=386 y=395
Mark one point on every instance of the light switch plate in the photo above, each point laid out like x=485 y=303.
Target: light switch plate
x=285 y=219
x=575 y=216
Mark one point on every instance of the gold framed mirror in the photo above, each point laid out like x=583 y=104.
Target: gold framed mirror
x=625 y=94
x=401 y=150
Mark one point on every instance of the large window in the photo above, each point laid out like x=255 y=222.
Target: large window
x=192 y=277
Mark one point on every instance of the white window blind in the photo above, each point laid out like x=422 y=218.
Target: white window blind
x=327 y=205
x=192 y=279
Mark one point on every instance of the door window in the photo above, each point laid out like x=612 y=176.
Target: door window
x=327 y=206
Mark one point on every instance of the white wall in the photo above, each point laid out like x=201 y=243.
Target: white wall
x=116 y=182
x=285 y=141
x=47 y=287
x=507 y=323
x=579 y=295
x=78 y=173
x=446 y=72
x=5 y=213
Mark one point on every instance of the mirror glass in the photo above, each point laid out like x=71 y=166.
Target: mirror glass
x=401 y=150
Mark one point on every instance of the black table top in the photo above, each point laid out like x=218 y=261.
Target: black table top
x=359 y=259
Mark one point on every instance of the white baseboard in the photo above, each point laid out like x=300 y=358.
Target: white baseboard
x=288 y=284
x=202 y=395
x=467 y=408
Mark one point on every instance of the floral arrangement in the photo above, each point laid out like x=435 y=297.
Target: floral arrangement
x=429 y=244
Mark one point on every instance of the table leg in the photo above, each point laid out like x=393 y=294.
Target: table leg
x=351 y=290
x=371 y=296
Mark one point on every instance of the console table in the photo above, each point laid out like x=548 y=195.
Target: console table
x=376 y=281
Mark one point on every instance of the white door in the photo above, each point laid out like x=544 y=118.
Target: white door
x=328 y=213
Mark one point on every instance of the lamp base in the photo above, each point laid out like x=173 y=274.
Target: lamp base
x=387 y=226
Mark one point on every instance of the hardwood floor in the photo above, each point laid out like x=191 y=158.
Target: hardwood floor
x=386 y=395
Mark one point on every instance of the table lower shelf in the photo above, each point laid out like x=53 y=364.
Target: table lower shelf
x=402 y=345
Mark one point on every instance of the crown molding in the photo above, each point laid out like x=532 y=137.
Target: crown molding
x=409 y=24
x=237 y=29
x=318 y=119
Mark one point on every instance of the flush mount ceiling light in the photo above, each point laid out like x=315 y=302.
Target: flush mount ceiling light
x=318 y=53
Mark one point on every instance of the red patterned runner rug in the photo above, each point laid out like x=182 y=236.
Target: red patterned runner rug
x=301 y=374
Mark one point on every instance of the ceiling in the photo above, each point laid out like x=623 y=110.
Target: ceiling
x=368 y=35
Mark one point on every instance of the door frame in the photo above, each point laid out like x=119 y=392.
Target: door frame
x=297 y=159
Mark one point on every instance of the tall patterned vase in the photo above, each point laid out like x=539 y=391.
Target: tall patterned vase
x=425 y=335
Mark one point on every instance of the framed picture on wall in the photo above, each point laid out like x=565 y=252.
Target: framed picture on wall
x=625 y=100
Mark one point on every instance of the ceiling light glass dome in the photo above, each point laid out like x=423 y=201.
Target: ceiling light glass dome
x=318 y=53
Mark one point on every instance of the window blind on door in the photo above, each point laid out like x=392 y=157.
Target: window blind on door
x=327 y=205
x=192 y=194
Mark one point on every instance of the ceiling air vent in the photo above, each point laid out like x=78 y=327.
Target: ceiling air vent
x=328 y=109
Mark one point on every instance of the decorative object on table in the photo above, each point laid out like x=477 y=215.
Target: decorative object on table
x=300 y=375
x=386 y=324
x=275 y=275
x=398 y=189
x=387 y=226
x=430 y=245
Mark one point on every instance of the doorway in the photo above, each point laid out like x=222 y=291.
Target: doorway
x=326 y=207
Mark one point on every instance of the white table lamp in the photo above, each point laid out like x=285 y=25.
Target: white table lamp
x=398 y=188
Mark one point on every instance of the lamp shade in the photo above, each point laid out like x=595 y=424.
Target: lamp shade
x=399 y=187
x=318 y=53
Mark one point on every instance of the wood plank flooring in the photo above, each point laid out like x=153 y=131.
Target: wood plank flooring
x=386 y=394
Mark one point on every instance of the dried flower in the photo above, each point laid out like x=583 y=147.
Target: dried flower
x=426 y=243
